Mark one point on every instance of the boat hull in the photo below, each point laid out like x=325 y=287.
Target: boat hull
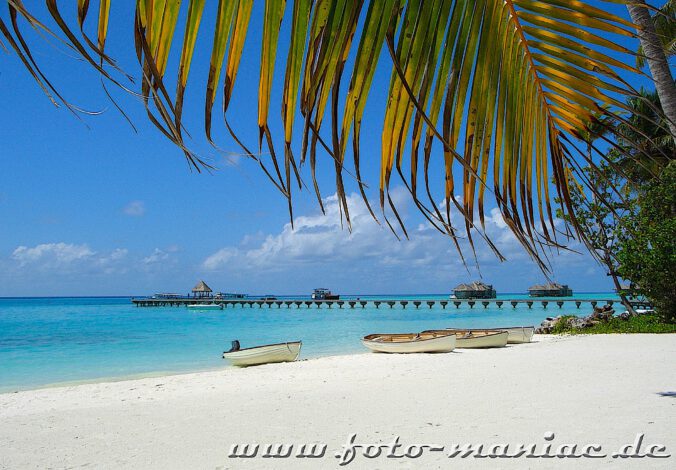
x=268 y=354
x=439 y=344
x=497 y=340
x=326 y=297
x=519 y=334
x=205 y=307
x=476 y=339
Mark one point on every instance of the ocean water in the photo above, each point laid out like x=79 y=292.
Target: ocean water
x=45 y=341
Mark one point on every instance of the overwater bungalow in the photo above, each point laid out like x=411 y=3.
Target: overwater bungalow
x=202 y=291
x=551 y=289
x=474 y=290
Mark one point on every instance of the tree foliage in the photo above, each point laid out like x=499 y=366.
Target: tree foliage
x=601 y=215
x=626 y=217
x=645 y=145
x=647 y=245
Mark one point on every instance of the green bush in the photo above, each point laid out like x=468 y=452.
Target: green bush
x=647 y=254
x=639 y=324
x=561 y=326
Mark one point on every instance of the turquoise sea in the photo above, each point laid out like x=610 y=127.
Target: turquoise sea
x=45 y=341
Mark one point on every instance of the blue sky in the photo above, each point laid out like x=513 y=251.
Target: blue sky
x=88 y=207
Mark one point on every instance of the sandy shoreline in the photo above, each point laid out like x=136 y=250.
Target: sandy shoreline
x=585 y=389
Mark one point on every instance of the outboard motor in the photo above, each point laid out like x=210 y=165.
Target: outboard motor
x=235 y=346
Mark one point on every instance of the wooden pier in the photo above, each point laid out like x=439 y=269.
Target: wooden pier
x=380 y=303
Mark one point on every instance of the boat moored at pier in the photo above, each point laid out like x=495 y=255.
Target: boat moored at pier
x=322 y=293
x=205 y=307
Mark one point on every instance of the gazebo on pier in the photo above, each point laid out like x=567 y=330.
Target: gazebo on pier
x=201 y=290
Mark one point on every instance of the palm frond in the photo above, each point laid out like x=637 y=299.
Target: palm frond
x=498 y=90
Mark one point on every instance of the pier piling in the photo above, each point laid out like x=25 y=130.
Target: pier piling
x=251 y=303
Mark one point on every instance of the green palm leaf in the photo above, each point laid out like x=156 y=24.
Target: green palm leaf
x=501 y=89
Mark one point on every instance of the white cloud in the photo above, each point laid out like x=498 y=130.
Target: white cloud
x=77 y=269
x=64 y=262
x=117 y=254
x=320 y=238
x=135 y=209
x=67 y=258
x=315 y=239
x=52 y=254
x=155 y=257
x=220 y=258
x=370 y=258
x=113 y=262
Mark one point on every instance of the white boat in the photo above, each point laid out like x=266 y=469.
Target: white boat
x=426 y=342
x=472 y=339
x=205 y=307
x=519 y=334
x=269 y=353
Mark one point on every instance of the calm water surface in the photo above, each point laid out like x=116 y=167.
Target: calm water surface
x=52 y=340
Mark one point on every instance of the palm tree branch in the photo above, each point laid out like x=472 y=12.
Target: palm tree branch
x=500 y=85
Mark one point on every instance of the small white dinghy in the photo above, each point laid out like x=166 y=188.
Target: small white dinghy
x=473 y=339
x=205 y=307
x=519 y=334
x=267 y=354
x=426 y=342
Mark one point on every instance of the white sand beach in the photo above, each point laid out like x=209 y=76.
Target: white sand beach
x=586 y=390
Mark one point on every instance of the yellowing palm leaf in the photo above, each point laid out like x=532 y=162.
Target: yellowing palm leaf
x=501 y=88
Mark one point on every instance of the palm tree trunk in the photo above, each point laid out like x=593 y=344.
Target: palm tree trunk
x=657 y=60
x=620 y=292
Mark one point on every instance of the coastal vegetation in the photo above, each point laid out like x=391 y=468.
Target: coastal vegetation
x=646 y=254
x=629 y=222
x=646 y=323
x=488 y=101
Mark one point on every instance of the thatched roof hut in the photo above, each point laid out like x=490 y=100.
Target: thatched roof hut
x=474 y=290
x=551 y=289
x=202 y=290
